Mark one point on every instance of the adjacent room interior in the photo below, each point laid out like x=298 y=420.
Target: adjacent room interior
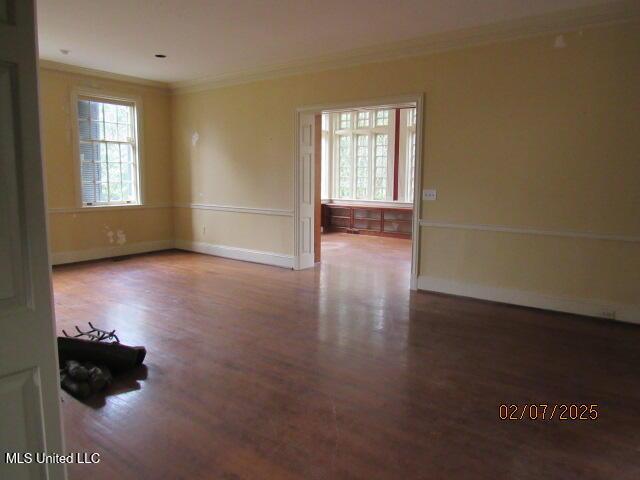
x=316 y=240
x=365 y=187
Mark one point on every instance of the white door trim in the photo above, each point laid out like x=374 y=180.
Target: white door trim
x=416 y=100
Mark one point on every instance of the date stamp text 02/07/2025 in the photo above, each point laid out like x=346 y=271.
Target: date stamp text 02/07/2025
x=548 y=411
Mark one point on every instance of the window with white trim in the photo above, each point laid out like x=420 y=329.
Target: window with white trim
x=108 y=151
x=362 y=154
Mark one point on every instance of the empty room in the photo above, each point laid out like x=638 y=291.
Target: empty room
x=291 y=239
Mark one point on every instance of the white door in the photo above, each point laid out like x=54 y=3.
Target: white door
x=29 y=391
x=305 y=197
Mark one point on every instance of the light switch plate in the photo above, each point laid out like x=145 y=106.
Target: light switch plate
x=429 y=195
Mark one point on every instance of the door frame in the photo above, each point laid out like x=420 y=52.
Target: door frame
x=416 y=99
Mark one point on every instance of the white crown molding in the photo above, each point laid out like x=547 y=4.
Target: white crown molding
x=236 y=209
x=77 y=70
x=107 y=208
x=531 y=231
x=235 y=253
x=555 y=22
x=579 y=306
x=60 y=258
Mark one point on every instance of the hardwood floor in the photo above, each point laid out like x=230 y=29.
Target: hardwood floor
x=339 y=372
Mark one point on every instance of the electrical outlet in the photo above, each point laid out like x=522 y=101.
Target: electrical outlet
x=609 y=314
x=429 y=195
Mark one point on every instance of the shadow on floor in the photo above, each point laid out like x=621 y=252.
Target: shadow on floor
x=122 y=383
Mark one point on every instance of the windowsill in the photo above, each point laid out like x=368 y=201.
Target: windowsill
x=104 y=208
x=113 y=205
x=376 y=203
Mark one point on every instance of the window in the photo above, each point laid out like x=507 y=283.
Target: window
x=411 y=153
x=411 y=164
x=362 y=155
x=344 y=166
x=359 y=154
x=362 y=166
x=108 y=150
x=381 y=160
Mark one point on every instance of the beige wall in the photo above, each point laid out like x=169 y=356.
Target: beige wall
x=73 y=230
x=517 y=134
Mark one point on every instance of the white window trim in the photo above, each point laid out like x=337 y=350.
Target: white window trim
x=409 y=151
x=353 y=132
x=107 y=95
x=327 y=141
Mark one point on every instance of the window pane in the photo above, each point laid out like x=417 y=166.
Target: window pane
x=83 y=109
x=111 y=131
x=344 y=167
x=113 y=152
x=123 y=114
x=382 y=118
x=411 y=165
x=96 y=111
x=110 y=112
x=362 y=166
x=101 y=172
x=115 y=191
x=126 y=153
x=127 y=191
x=102 y=190
x=84 y=129
x=102 y=152
x=87 y=153
x=127 y=172
x=363 y=119
x=115 y=174
x=381 y=159
x=345 y=120
x=123 y=132
x=87 y=174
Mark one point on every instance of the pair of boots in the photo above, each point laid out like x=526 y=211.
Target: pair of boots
x=83 y=379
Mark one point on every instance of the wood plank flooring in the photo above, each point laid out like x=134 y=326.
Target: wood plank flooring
x=339 y=372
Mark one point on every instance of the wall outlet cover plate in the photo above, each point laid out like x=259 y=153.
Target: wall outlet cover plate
x=429 y=194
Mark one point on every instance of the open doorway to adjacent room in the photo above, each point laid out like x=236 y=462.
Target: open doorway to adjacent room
x=364 y=184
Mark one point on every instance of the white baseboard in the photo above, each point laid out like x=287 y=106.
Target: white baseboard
x=235 y=253
x=591 y=308
x=59 y=258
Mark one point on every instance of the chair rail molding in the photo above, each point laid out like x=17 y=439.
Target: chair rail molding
x=237 y=209
x=530 y=231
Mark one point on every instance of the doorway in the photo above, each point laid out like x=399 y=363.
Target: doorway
x=358 y=173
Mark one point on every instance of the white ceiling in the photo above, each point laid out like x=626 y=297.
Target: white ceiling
x=209 y=38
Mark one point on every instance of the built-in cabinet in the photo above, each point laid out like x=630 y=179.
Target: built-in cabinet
x=368 y=220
